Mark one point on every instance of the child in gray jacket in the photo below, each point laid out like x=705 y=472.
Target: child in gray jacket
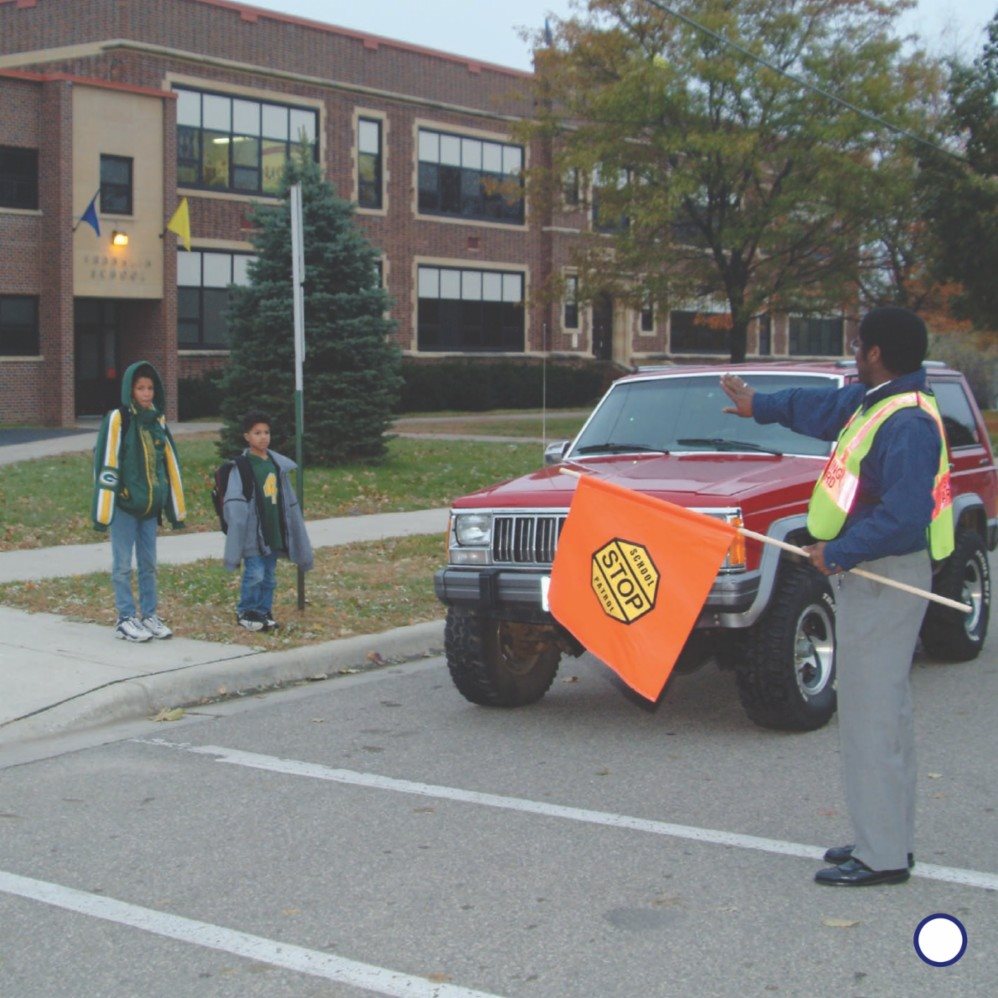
x=267 y=525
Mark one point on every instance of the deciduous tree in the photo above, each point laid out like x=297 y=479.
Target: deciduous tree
x=962 y=197
x=734 y=159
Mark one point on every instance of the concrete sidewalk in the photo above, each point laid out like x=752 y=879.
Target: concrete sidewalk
x=58 y=675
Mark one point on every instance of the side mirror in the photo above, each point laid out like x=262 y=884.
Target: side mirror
x=555 y=452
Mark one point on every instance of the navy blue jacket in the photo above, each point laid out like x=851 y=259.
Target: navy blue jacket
x=894 y=503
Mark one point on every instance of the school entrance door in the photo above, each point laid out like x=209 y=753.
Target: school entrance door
x=97 y=333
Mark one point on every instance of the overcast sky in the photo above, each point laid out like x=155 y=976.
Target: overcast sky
x=488 y=31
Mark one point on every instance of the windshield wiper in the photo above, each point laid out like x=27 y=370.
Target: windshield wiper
x=612 y=448
x=720 y=443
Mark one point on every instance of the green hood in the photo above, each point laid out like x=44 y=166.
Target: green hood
x=159 y=396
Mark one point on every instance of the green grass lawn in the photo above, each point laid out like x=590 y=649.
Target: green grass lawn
x=47 y=501
x=354 y=589
x=556 y=428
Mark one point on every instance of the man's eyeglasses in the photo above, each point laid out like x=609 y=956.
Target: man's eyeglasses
x=855 y=345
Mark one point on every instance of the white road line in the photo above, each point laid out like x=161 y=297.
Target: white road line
x=188 y=930
x=293 y=767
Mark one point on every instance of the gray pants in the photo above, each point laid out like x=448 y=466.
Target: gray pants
x=876 y=630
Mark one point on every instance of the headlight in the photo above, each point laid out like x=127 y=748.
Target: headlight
x=473 y=529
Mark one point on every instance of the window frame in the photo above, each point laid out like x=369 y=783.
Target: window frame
x=229 y=133
x=646 y=322
x=201 y=317
x=13 y=178
x=455 y=181
x=378 y=183
x=494 y=311
x=33 y=328
x=694 y=348
x=794 y=335
x=117 y=187
x=570 y=309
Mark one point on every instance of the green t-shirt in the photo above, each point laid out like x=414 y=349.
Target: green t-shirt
x=265 y=473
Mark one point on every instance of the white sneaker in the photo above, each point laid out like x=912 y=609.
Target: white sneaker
x=156 y=627
x=131 y=629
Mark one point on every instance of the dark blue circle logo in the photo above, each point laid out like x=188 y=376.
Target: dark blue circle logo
x=940 y=940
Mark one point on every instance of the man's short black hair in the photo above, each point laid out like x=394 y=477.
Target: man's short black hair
x=900 y=334
x=253 y=417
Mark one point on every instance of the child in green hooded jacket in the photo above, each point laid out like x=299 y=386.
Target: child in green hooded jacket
x=136 y=481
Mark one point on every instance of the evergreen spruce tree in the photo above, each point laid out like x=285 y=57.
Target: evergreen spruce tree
x=352 y=370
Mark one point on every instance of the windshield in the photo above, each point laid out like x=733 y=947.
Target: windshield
x=683 y=414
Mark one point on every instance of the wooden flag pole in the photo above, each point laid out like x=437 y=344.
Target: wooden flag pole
x=872 y=576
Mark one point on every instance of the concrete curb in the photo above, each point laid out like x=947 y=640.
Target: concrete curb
x=132 y=699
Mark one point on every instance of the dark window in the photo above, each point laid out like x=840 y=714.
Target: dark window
x=958 y=417
x=571 y=320
x=648 y=315
x=815 y=337
x=236 y=144
x=470 y=310
x=116 y=185
x=470 y=178
x=765 y=335
x=369 y=190
x=607 y=190
x=571 y=190
x=204 y=279
x=18 y=177
x=697 y=332
x=19 y=326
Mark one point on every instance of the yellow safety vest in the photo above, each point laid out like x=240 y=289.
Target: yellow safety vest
x=835 y=491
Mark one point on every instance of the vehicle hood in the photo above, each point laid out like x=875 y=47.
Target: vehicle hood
x=703 y=480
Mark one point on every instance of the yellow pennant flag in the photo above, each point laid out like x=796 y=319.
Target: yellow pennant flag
x=180 y=223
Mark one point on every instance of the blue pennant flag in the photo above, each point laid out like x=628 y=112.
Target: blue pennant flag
x=90 y=215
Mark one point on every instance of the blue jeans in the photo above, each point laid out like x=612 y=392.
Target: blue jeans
x=258 y=585
x=128 y=533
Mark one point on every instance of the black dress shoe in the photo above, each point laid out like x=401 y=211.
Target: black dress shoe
x=839 y=854
x=853 y=873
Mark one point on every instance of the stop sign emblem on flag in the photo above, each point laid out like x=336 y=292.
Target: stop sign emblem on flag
x=625 y=580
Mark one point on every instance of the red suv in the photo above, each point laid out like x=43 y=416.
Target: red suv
x=769 y=617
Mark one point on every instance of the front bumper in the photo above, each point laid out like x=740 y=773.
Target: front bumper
x=516 y=594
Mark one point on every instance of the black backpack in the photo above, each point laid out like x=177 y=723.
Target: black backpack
x=222 y=473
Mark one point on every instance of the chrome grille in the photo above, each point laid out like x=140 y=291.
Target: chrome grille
x=526 y=538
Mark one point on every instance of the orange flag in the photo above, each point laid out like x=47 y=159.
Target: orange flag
x=631 y=576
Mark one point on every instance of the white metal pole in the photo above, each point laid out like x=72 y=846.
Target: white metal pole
x=298 y=308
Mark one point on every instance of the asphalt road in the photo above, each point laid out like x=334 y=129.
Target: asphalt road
x=376 y=833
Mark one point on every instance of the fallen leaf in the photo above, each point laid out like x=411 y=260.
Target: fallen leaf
x=291 y=911
x=570 y=679
x=348 y=672
x=439 y=978
x=840 y=923
x=318 y=720
x=934 y=776
x=168 y=714
x=375 y=658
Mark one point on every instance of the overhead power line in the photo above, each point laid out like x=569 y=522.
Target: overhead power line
x=828 y=95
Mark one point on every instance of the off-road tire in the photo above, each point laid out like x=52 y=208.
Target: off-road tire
x=949 y=635
x=483 y=663
x=786 y=678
